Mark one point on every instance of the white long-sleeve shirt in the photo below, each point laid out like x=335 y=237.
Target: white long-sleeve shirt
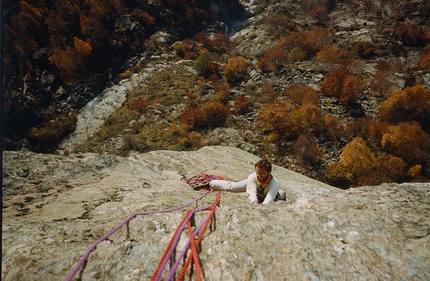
x=270 y=191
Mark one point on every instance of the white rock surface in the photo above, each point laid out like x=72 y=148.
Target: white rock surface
x=55 y=207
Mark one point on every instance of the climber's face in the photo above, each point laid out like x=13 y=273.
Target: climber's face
x=262 y=174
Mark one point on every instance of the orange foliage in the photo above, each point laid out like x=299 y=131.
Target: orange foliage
x=310 y=43
x=318 y=12
x=203 y=39
x=216 y=43
x=277 y=117
x=332 y=84
x=356 y=160
x=31 y=10
x=411 y=34
x=242 y=104
x=116 y=3
x=410 y=104
x=364 y=49
x=267 y=94
x=394 y=165
x=82 y=48
x=425 y=59
x=236 y=69
x=211 y=114
x=408 y=141
x=65 y=61
x=335 y=127
x=98 y=9
x=307 y=151
x=52 y=132
x=273 y=60
x=213 y=69
x=301 y=94
x=352 y=87
x=340 y=84
x=332 y=55
x=144 y=17
x=382 y=83
x=308 y=118
x=415 y=171
x=376 y=130
x=139 y=106
x=184 y=48
x=91 y=27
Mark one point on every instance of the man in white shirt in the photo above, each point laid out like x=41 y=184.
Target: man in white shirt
x=262 y=187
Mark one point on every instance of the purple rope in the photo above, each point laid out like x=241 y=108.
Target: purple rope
x=175 y=241
x=94 y=246
x=185 y=249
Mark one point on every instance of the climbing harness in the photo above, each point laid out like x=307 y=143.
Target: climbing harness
x=191 y=243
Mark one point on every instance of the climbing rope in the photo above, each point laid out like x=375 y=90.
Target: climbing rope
x=94 y=246
x=174 y=241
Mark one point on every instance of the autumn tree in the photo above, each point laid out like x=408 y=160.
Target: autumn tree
x=411 y=34
x=273 y=60
x=308 y=118
x=313 y=41
x=210 y=114
x=394 y=166
x=336 y=128
x=276 y=117
x=267 y=93
x=65 y=61
x=139 y=106
x=319 y=12
x=356 y=160
x=236 y=69
x=332 y=84
x=50 y=133
x=382 y=83
x=92 y=27
x=364 y=49
x=301 y=94
x=242 y=104
x=425 y=59
x=408 y=141
x=340 y=84
x=307 y=151
x=82 y=48
x=409 y=104
x=333 y=56
x=352 y=88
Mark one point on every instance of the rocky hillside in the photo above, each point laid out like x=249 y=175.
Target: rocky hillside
x=55 y=207
x=313 y=89
x=335 y=90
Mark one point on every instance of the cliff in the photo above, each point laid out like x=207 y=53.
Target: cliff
x=55 y=207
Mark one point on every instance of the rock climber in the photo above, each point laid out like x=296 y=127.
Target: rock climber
x=261 y=186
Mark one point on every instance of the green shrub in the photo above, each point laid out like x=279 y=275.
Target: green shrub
x=201 y=65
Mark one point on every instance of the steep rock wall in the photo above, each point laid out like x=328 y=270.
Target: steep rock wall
x=55 y=207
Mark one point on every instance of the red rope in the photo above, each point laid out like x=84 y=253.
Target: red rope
x=195 y=255
x=200 y=238
x=94 y=246
x=178 y=230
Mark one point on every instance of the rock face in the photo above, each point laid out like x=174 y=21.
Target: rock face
x=55 y=207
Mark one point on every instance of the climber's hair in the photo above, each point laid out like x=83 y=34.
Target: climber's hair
x=264 y=164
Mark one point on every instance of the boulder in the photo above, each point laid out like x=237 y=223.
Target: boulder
x=55 y=207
